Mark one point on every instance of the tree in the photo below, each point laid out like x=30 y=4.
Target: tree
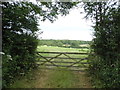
x=106 y=42
x=19 y=40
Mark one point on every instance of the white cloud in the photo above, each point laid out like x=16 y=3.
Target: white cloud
x=72 y=26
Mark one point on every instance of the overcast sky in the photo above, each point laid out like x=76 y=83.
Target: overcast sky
x=72 y=27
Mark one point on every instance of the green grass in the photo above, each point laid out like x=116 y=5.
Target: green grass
x=52 y=79
x=60 y=49
x=24 y=81
x=61 y=79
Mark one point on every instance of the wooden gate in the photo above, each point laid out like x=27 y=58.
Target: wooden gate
x=67 y=60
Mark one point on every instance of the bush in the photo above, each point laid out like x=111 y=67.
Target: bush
x=20 y=59
x=104 y=75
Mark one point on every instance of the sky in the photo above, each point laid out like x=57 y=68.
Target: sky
x=70 y=27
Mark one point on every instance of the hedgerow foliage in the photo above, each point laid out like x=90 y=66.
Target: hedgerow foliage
x=19 y=41
x=106 y=60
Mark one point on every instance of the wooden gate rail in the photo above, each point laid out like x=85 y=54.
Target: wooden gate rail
x=65 y=58
x=64 y=66
x=62 y=62
x=63 y=52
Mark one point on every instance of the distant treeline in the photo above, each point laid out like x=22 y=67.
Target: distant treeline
x=65 y=43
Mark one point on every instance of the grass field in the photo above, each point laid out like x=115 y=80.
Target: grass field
x=58 y=78
x=60 y=49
